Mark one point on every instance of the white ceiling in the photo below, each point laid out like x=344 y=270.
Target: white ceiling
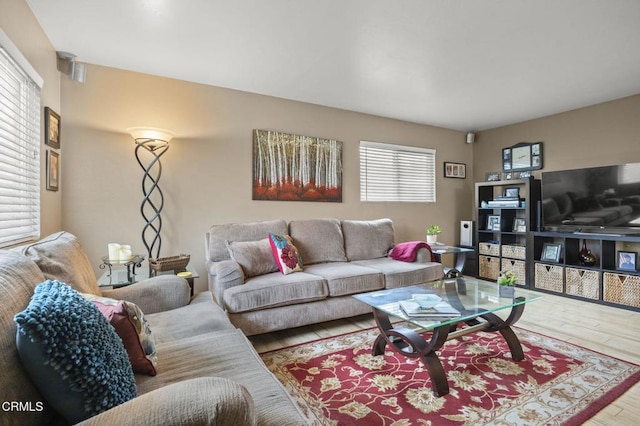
x=465 y=64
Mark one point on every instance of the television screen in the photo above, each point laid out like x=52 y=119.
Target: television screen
x=596 y=199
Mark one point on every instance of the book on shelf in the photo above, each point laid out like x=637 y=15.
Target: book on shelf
x=441 y=310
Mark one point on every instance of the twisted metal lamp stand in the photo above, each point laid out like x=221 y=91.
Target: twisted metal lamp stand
x=153 y=200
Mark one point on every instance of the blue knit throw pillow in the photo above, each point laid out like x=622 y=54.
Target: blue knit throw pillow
x=72 y=353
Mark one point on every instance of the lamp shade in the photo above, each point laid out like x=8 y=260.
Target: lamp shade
x=150 y=133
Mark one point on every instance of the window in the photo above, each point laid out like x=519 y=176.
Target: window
x=19 y=146
x=397 y=173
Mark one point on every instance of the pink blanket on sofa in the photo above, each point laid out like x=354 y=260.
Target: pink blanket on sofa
x=408 y=251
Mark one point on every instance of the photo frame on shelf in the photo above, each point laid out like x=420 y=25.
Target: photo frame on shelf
x=53 y=170
x=627 y=260
x=551 y=252
x=493 y=222
x=455 y=170
x=511 y=192
x=519 y=225
x=51 y=128
x=493 y=176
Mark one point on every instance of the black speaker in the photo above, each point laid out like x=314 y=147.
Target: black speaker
x=538 y=225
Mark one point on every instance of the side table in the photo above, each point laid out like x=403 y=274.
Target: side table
x=122 y=277
x=460 y=255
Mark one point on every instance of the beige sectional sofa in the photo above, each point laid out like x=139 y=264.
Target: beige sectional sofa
x=207 y=370
x=340 y=258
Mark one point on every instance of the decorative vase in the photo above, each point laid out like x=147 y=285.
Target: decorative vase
x=585 y=256
x=507 y=291
x=432 y=239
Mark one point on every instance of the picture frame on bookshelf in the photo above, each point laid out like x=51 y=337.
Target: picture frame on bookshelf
x=627 y=260
x=551 y=252
x=511 y=192
x=493 y=222
x=519 y=225
x=493 y=176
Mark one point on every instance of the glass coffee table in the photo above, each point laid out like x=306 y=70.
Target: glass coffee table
x=473 y=302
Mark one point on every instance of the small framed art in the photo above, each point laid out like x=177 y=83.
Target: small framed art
x=51 y=128
x=493 y=223
x=455 y=170
x=627 y=260
x=519 y=225
x=551 y=252
x=493 y=176
x=511 y=192
x=53 y=170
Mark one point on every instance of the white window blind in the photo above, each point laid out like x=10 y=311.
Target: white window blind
x=397 y=173
x=19 y=147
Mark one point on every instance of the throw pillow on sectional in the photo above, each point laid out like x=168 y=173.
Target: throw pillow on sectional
x=131 y=325
x=285 y=253
x=72 y=353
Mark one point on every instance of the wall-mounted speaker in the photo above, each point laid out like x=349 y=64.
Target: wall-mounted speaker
x=471 y=137
x=466 y=233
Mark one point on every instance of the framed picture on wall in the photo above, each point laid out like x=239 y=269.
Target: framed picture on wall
x=455 y=170
x=53 y=170
x=51 y=128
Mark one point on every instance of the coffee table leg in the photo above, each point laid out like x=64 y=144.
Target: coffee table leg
x=504 y=327
x=412 y=345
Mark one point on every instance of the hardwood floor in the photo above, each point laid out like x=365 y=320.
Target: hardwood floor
x=612 y=331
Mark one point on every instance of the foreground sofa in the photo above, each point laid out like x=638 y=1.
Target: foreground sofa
x=207 y=371
x=340 y=259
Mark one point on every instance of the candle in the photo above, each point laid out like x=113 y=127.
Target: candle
x=125 y=252
x=114 y=251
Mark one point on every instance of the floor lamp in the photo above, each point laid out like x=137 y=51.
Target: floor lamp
x=151 y=143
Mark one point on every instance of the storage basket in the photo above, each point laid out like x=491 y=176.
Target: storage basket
x=490 y=249
x=582 y=282
x=489 y=267
x=549 y=277
x=518 y=267
x=514 y=251
x=171 y=263
x=622 y=289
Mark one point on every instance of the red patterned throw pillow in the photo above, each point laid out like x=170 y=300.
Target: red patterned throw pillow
x=285 y=253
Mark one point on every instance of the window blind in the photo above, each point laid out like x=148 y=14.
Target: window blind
x=391 y=172
x=19 y=149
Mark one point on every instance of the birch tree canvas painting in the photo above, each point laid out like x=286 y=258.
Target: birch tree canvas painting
x=290 y=167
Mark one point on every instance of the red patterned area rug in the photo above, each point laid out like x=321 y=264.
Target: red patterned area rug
x=336 y=381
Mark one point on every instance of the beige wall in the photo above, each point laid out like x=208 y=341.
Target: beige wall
x=603 y=134
x=17 y=21
x=207 y=170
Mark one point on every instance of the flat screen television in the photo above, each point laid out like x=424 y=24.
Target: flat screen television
x=595 y=199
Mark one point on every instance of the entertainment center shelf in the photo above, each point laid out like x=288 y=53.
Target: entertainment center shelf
x=603 y=282
x=505 y=217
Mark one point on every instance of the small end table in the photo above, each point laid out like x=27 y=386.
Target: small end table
x=122 y=278
x=460 y=254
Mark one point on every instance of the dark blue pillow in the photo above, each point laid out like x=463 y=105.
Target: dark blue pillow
x=72 y=353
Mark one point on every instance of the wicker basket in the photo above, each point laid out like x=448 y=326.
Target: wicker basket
x=583 y=282
x=489 y=267
x=549 y=277
x=622 y=289
x=490 y=249
x=514 y=252
x=171 y=263
x=518 y=267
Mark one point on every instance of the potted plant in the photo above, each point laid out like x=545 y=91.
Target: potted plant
x=507 y=280
x=432 y=233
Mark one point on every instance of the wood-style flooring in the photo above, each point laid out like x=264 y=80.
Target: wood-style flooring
x=612 y=331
